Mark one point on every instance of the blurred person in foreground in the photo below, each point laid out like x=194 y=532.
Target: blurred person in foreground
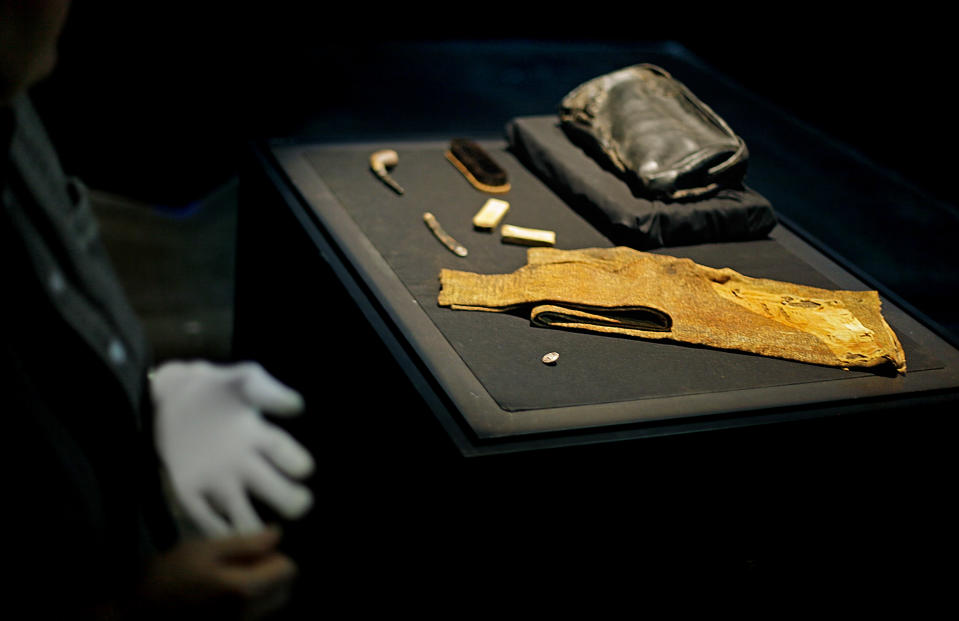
x=106 y=449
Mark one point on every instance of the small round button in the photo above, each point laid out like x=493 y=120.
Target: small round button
x=551 y=358
x=56 y=282
x=116 y=352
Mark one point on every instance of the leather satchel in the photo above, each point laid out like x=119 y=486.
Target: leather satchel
x=655 y=133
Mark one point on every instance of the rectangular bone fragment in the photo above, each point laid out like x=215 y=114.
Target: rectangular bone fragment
x=527 y=237
x=490 y=215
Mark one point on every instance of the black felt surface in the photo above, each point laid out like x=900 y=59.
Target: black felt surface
x=504 y=351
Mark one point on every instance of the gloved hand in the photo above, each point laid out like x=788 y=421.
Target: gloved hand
x=218 y=448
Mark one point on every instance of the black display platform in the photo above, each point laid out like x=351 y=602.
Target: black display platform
x=440 y=436
x=486 y=367
x=480 y=374
x=712 y=465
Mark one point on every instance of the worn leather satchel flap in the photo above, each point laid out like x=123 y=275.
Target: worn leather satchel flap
x=660 y=137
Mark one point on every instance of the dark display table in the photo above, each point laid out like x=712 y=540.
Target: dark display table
x=446 y=426
x=486 y=366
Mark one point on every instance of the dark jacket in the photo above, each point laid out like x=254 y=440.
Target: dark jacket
x=83 y=481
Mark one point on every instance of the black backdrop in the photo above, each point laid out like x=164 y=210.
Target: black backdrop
x=153 y=98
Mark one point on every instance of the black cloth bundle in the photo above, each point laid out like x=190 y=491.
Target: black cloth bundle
x=733 y=213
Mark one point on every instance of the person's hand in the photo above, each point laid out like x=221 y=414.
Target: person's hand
x=218 y=448
x=237 y=577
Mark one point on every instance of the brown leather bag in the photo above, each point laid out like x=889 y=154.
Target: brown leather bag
x=655 y=133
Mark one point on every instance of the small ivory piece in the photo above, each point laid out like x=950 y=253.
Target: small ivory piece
x=492 y=212
x=527 y=237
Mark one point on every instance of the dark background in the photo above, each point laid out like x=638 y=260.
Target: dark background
x=155 y=98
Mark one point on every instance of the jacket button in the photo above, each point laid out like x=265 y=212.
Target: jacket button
x=55 y=282
x=116 y=352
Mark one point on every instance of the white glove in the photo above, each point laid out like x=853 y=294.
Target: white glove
x=217 y=447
